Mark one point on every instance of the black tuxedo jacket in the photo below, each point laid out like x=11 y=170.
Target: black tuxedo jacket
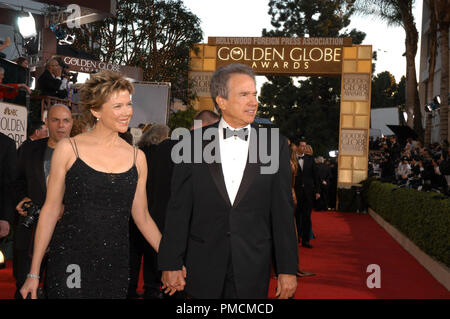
x=307 y=179
x=8 y=162
x=203 y=229
x=160 y=168
x=30 y=183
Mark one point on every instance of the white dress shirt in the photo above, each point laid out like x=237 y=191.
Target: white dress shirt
x=300 y=161
x=233 y=156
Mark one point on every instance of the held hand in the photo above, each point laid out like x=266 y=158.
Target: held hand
x=30 y=287
x=287 y=284
x=317 y=195
x=173 y=280
x=19 y=206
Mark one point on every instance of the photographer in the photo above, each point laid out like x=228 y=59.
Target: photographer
x=31 y=186
x=403 y=170
x=53 y=81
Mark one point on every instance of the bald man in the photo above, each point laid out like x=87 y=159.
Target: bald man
x=33 y=170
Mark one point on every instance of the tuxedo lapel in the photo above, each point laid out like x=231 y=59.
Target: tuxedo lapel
x=216 y=171
x=217 y=175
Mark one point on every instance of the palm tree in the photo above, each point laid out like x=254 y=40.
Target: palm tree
x=399 y=13
x=443 y=20
x=432 y=35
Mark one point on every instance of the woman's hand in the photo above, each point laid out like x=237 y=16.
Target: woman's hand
x=30 y=287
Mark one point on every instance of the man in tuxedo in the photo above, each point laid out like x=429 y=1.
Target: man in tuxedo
x=324 y=175
x=31 y=185
x=51 y=82
x=8 y=161
x=226 y=217
x=306 y=188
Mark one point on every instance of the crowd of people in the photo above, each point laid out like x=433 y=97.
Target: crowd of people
x=410 y=164
x=75 y=183
x=84 y=194
x=56 y=81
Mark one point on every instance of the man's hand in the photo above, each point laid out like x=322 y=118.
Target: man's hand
x=173 y=280
x=317 y=196
x=4 y=228
x=287 y=284
x=19 y=206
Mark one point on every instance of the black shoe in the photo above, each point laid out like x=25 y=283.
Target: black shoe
x=307 y=245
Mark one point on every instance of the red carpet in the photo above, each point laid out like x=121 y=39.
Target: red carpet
x=345 y=244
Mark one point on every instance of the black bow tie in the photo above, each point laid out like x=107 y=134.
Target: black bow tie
x=300 y=156
x=241 y=133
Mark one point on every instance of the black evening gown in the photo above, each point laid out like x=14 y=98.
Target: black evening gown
x=91 y=239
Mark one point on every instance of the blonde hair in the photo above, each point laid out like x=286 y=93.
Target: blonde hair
x=97 y=90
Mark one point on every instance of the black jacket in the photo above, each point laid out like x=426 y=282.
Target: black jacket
x=8 y=162
x=203 y=228
x=307 y=179
x=49 y=85
x=160 y=167
x=30 y=172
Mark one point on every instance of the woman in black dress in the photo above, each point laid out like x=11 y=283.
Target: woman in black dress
x=101 y=180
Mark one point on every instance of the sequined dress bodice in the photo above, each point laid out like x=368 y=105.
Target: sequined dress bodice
x=92 y=234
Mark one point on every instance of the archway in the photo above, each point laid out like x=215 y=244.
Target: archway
x=302 y=57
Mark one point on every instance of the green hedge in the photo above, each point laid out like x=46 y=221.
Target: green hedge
x=423 y=217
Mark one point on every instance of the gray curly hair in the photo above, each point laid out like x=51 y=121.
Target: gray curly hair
x=154 y=135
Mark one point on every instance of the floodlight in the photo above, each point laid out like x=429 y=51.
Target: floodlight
x=27 y=25
x=437 y=100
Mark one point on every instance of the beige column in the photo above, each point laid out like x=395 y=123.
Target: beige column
x=202 y=66
x=354 y=115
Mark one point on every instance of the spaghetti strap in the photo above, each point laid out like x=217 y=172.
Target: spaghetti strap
x=74 y=146
x=135 y=155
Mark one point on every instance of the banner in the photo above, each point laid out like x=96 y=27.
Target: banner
x=278 y=55
x=13 y=122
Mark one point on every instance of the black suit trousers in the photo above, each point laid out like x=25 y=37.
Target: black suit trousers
x=303 y=215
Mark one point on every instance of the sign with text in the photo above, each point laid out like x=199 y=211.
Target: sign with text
x=89 y=66
x=200 y=83
x=353 y=142
x=279 y=55
x=355 y=87
x=13 y=122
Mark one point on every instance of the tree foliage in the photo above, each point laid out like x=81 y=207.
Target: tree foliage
x=386 y=92
x=155 y=35
x=399 y=13
x=307 y=107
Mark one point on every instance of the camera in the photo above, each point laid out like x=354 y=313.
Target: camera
x=33 y=212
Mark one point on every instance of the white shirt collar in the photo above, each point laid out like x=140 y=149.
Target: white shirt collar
x=223 y=124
